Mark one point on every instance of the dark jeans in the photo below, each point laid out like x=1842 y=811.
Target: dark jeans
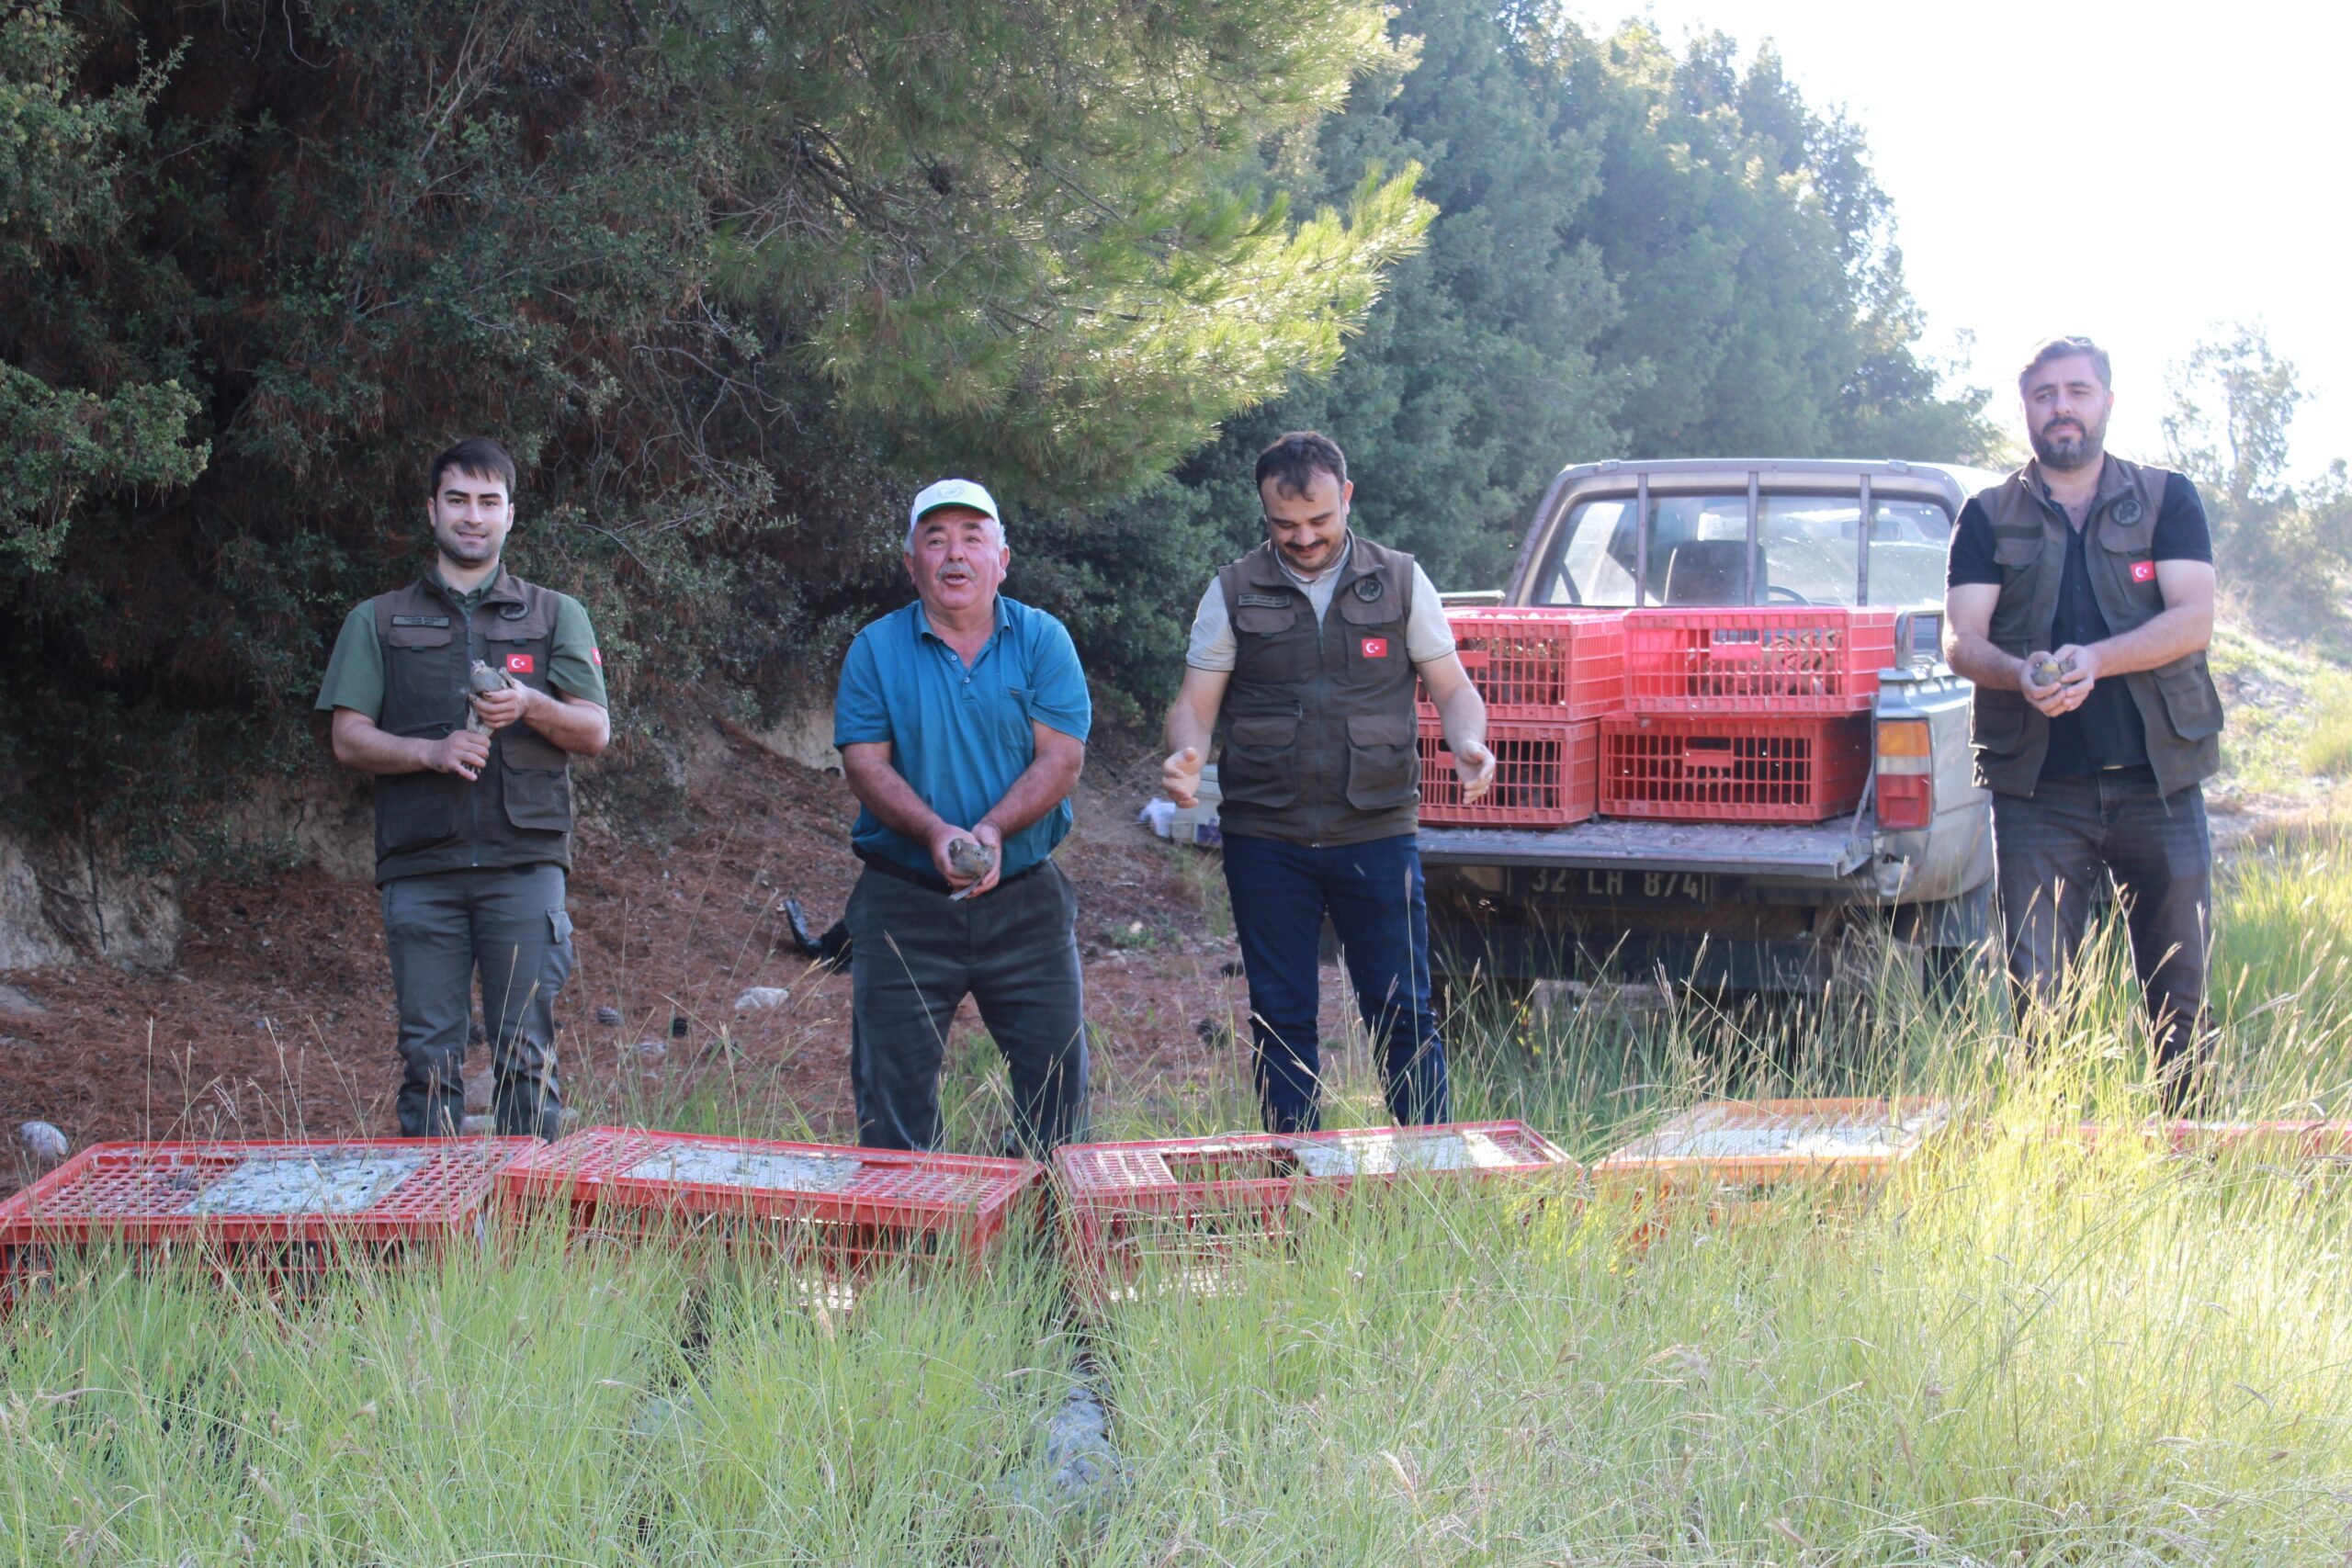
x=1373 y=893
x=2052 y=849
x=915 y=954
x=509 y=924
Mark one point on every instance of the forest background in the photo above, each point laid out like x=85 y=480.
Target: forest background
x=733 y=278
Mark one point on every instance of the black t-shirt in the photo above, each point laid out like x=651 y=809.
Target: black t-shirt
x=2105 y=731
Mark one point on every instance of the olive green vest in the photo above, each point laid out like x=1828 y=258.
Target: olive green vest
x=2178 y=705
x=519 y=811
x=1321 y=743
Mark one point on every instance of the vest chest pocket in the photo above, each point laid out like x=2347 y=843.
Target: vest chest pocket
x=420 y=678
x=1373 y=632
x=1262 y=645
x=2129 y=556
x=521 y=647
x=1384 y=761
x=1260 y=763
x=2016 y=552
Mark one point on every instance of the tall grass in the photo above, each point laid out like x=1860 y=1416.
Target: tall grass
x=2327 y=748
x=2023 y=1350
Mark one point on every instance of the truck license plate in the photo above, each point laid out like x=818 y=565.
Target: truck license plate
x=1595 y=886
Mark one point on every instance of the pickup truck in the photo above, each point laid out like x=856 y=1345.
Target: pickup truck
x=1741 y=906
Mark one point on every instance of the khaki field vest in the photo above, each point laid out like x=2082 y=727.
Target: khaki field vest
x=519 y=811
x=2178 y=705
x=1319 y=737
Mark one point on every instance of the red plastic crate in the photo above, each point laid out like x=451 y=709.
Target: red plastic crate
x=1759 y=1142
x=1545 y=665
x=1733 y=770
x=2293 y=1141
x=834 y=1207
x=1190 y=1203
x=280 y=1208
x=1756 y=660
x=1727 y=1160
x=1546 y=775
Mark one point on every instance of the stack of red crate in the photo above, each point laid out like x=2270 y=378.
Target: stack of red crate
x=1548 y=675
x=1745 y=714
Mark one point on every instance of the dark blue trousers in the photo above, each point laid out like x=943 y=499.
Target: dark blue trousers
x=1373 y=893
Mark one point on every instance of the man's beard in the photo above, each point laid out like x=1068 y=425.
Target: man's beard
x=2069 y=451
x=466 y=552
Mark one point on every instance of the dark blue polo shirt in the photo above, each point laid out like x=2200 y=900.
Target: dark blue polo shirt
x=959 y=736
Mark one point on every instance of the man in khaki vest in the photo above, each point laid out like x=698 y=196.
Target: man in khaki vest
x=473 y=821
x=2079 y=598
x=1306 y=649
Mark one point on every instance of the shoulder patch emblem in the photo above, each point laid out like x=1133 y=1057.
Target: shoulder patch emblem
x=1370 y=587
x=2128 y=511
x=2144 y=571
x=596 y=657
x=1263 y=600
x=420 y=620
x=520 y=664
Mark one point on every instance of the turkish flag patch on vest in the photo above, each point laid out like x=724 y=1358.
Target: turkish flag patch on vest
x=1376 y=647
x=519 y=664
x=2144 y=571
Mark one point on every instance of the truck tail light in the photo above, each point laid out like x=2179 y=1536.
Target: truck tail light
x=1907 y=779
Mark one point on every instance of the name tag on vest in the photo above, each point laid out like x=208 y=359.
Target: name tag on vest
x=420 y=620
x=1263 y=601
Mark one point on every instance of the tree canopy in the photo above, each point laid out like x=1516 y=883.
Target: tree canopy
x=732 y=276
x=1638 y=254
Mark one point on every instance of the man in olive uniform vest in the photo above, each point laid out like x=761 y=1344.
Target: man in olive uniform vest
x=2079 y=598
x=473 y=829
x=1307 y=649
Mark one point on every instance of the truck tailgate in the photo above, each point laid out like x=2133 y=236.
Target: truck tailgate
x=1829 y=852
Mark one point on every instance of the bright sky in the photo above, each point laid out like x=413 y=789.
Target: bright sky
x=2142 y=173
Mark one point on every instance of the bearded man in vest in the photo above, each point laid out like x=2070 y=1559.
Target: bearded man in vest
x=1305 y=652
x=473 y=829
x=2079 y=598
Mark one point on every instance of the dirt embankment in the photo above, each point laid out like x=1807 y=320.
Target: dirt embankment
x=278 y=1014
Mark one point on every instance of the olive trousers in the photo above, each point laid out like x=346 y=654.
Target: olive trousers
x=507 y=924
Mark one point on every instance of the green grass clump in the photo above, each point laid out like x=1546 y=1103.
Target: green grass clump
x=2023 y=1350
x=2327 y=749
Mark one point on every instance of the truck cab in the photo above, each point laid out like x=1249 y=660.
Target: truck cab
x=1741 y=906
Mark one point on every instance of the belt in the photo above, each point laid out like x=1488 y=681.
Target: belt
x=905 y=872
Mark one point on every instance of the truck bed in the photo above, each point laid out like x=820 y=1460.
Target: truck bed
x=1829 y=852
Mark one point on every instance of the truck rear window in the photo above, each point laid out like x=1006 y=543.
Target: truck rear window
x=1809 y=552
